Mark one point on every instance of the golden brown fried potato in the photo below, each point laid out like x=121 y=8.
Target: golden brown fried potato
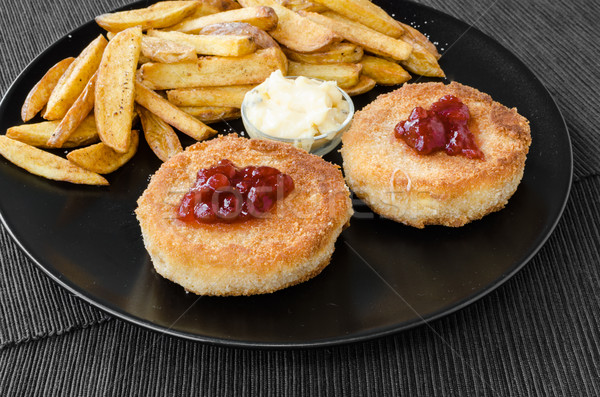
x=75 y=116
x=346 y=74
x=212 y=114
x=260 y=37
x=208 y=44
x=369 y=39
x=335 y=53
x=423 y=63
x=207 y=7
x=214 y=71
x=171 y=114
x=40 y=93
x=366 y=13
x=74 y=80
x=302 y=5
x=160 y=136
x=47 y=165
x=156 y=49
x=295 y=31
x=384 y=72
x=159 y=15
x=37 y=134
x=262 y=17
x=115 y=89
x=365 y=84
x=228 y=96
x=413 y=36
x=102 y=159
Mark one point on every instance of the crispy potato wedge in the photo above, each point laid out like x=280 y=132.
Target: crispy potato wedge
x=75 y=116
x=365 y=84
x=47 y=165
x=171 y=114
x=160 y=136
x=369 y=39
x=384 y=72
x=37 y=134
x=115 y=95
x=212 y=114
x=228 y=96
x=259 y=36
x=413 y=36
x=422 y=62
x=214 y=71
x=156 y=49
x=159 y=15
x=101 y=159
x=74 y=80
x=40 y=93
x=367 y=13
x=302 y=5
x=263 y=18
x=208 y=44
x=207 y=7
x=335 y=53
x=346 y=74
x=294 y=31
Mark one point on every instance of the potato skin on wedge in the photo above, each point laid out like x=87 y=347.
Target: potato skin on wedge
x=47 y=165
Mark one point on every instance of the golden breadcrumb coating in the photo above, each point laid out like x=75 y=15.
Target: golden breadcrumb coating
x=436 y=189
x=291 y=244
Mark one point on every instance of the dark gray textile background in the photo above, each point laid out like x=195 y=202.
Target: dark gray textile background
x=538 y=334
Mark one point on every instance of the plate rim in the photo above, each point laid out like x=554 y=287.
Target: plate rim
x=324 y=342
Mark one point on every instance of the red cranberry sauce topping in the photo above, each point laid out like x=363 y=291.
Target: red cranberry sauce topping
x=225 y=193
x=442 y=127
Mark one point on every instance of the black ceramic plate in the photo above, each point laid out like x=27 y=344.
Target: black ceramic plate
x=383 y=278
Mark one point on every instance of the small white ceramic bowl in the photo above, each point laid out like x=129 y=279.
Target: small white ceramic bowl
x=320 y=144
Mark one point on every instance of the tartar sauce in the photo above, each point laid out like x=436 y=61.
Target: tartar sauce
x=296 y=108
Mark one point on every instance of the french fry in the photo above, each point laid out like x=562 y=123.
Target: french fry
x=47 y=165
x=302 y=5
x=384 y=72
x=262 y=17
x=228 y=96
x=335 y=53
x=207 y=7
x=295 y=31
x=75 y=115
x=369 y=39
x=214 y=71
x=74 y=80
x=413 y=36
x=259 y=36
x=101 y=159
x=171 y=114
x=207 y=44
x=365 y=84
x=212 y=114
x=40 y=93
x=155 y=49
x=159 y=15
x=367 y=13
x=160 y=136
x=346 y=74
x=37 y=134
x=115 y=89
x=423 y=63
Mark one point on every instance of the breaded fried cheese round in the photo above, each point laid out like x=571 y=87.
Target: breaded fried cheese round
x=289 y=244
x=417 y=189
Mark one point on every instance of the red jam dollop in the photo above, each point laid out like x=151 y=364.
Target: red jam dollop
x=442 y=127
x=226 y=193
